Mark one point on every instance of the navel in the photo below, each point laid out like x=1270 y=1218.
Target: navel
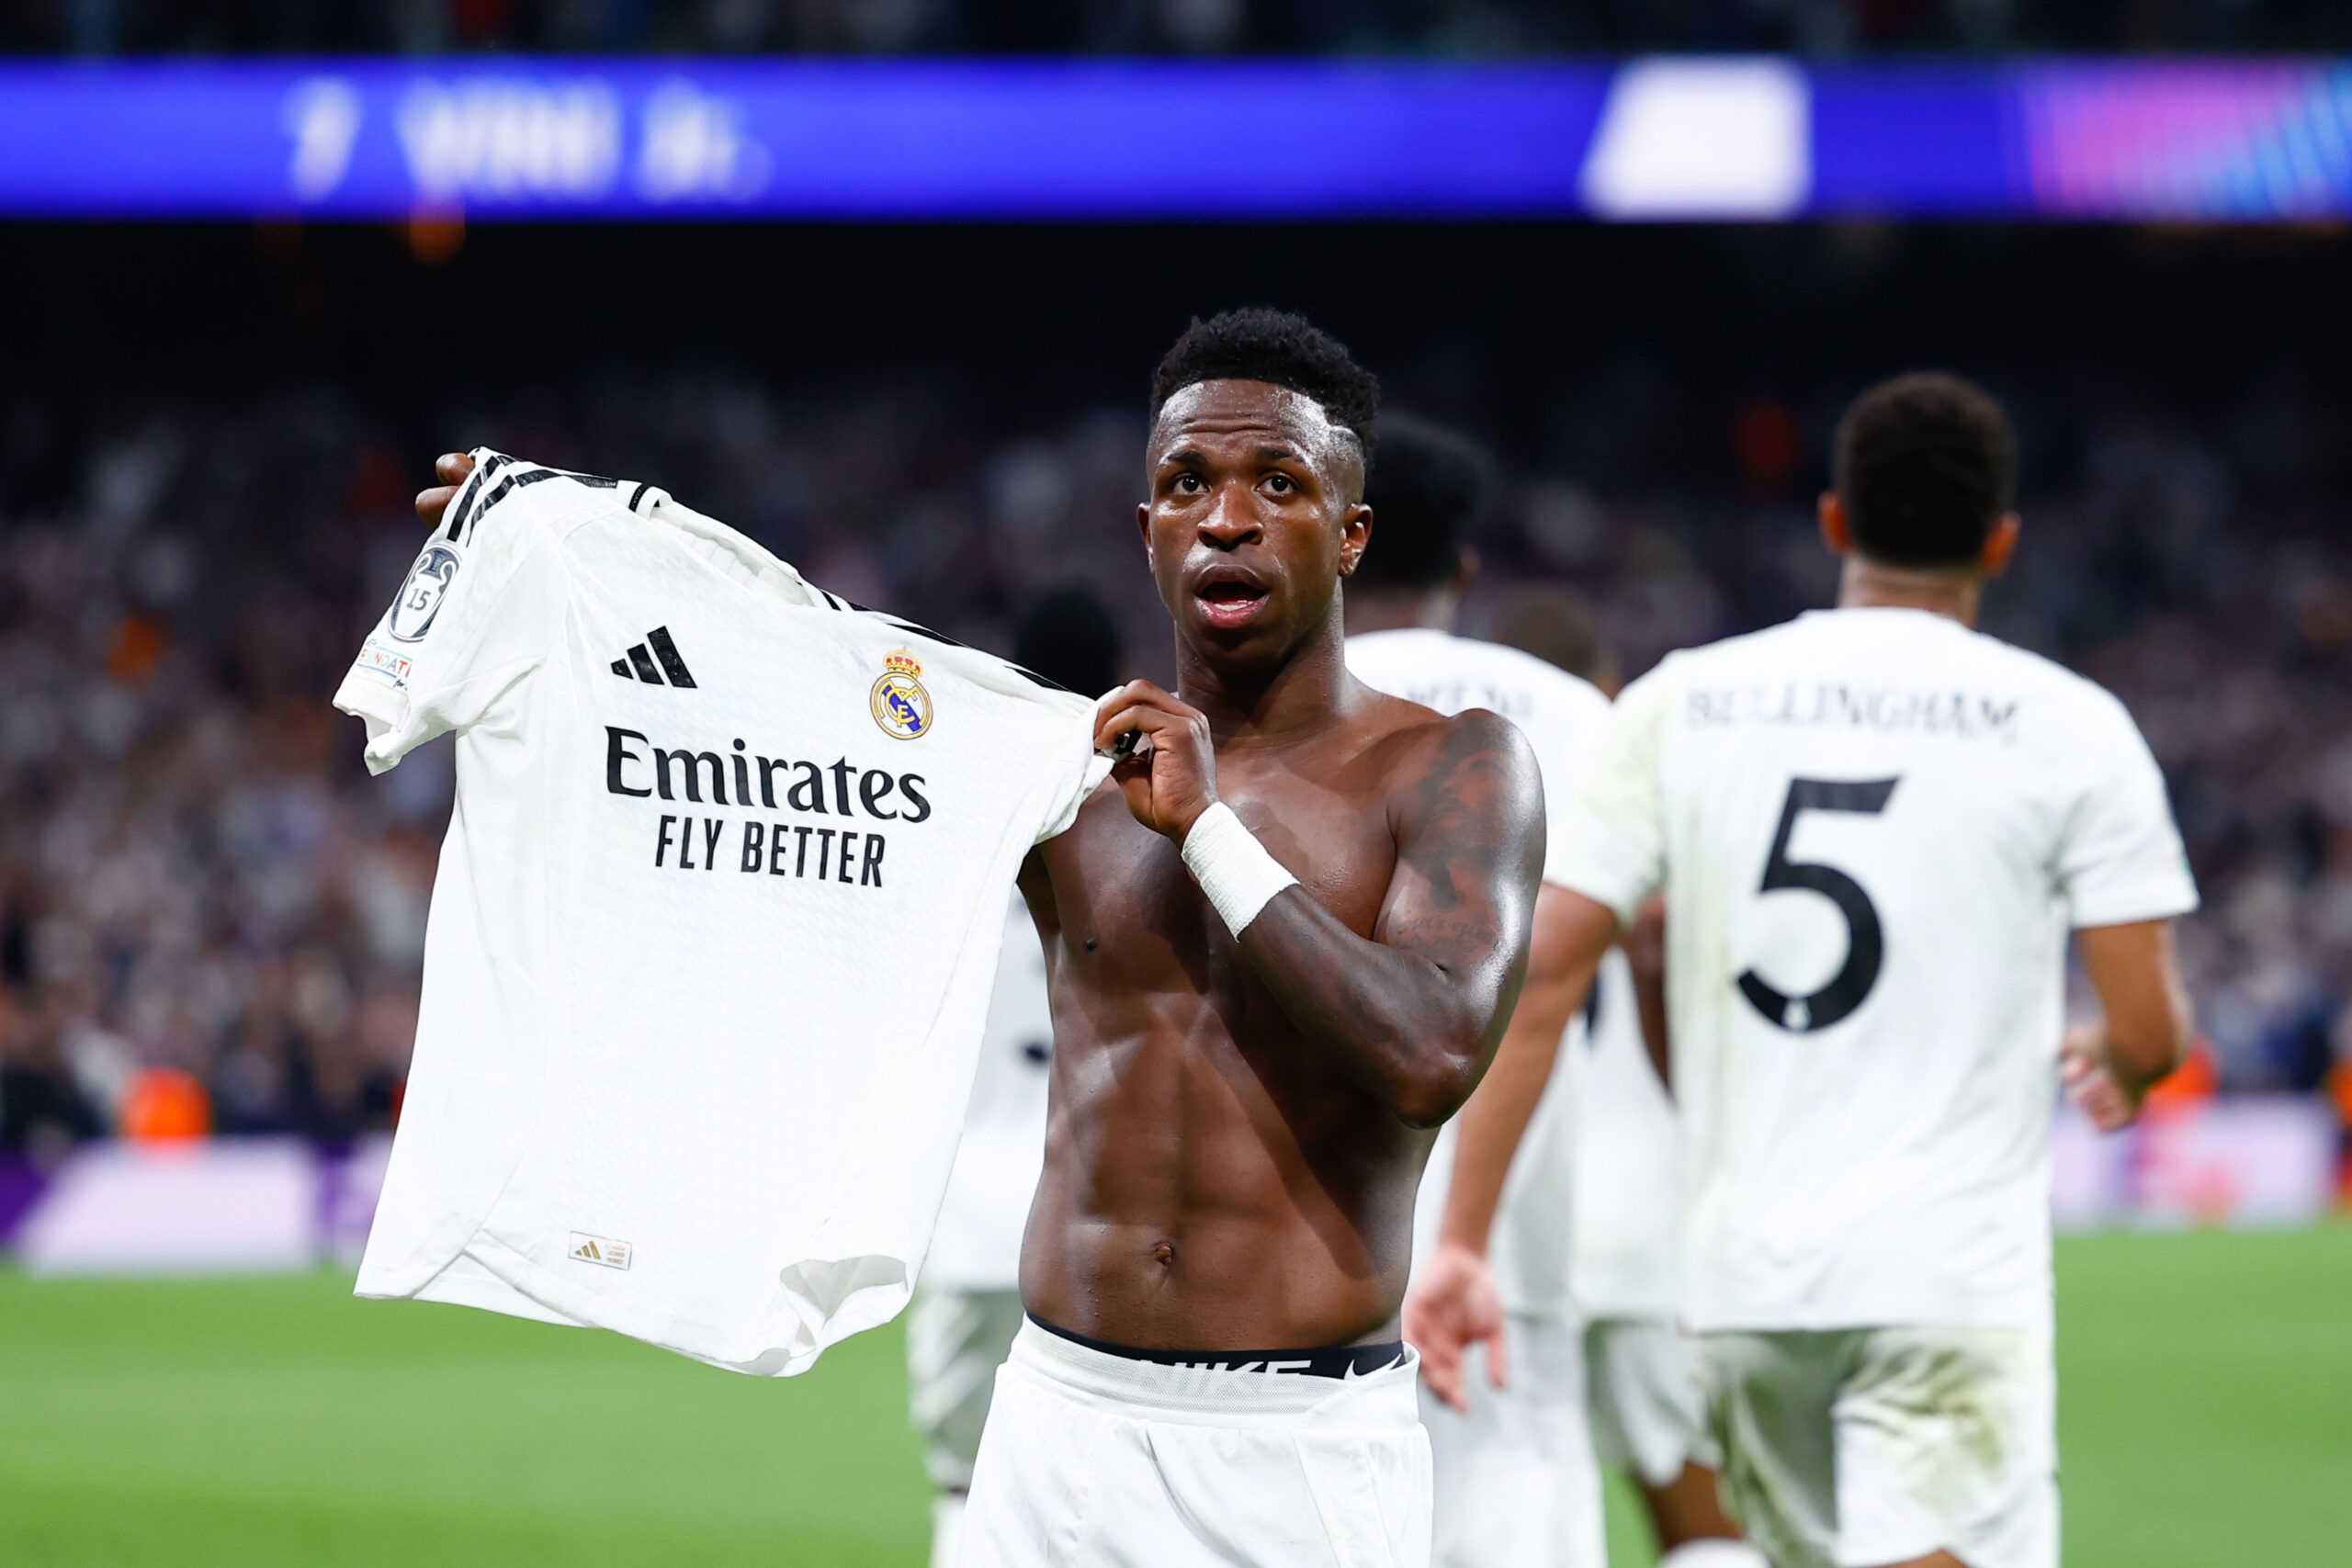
x=1165 y=1255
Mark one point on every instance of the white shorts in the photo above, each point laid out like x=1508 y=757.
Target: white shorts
x=1517 y=1486
x=1861 y=1447
x=955 y=1342
x=1650 y=1409
x=1093 y=1459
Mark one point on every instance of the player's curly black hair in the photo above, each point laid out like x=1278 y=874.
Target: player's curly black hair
x=1259 y=344
x=1926 y=465
x=1424 y=496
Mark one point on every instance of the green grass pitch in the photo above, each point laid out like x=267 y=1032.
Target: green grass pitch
x=2206 y=1389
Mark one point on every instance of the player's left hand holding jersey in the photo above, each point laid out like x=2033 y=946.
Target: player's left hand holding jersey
x=450 y=469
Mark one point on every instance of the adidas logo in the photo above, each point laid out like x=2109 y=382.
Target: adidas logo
x=640 y=659
x=599 y=1249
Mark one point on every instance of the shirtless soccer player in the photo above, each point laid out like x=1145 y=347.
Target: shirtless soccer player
x=1281 y=946
x=1875 y=829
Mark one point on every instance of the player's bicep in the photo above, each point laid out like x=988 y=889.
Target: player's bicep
x=2136 y=972
x=1470 y=839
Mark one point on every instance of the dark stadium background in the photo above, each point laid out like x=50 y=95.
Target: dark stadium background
x=209 y=434
x=1474 y=27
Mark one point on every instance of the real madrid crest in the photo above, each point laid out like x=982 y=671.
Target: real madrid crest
x=901 y=705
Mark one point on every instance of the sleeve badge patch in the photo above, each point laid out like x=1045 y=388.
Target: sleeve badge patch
x=421 y=595
x=389 y=662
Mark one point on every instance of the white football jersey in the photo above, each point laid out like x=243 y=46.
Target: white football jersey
x=1625 y=1229
x=714 y=926
x=976 y=1244
x=1874 y=828
x=1562 y=718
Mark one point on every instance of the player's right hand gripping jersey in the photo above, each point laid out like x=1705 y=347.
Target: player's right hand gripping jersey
x=714 y=926
x=1874 y=828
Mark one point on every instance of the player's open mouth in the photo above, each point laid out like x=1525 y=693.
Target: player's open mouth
x=1230 y=602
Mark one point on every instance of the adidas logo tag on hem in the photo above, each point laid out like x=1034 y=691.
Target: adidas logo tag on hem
x=642 y=661
x=599 y=1249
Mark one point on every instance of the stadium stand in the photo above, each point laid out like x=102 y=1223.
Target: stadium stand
x=1471 y=28
x=195 y=875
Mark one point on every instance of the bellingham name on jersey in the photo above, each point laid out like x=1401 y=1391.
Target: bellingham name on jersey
x=636 y=766
x=1964 y=716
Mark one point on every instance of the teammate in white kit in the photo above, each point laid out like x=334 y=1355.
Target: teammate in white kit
x=1642 y=1385
x=1515 y=1478
x=1648 y=1408
x=968 y=1304
x=1875 y=827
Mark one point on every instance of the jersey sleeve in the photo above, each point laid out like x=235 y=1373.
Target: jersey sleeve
x=1609 y=845
x=476 y=615
x=2122 y=859
x=1082 y=771
x=1571 y=745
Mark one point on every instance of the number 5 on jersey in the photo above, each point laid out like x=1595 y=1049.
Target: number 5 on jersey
x=1865 y=942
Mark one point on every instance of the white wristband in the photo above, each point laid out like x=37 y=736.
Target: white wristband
x=1232 y=867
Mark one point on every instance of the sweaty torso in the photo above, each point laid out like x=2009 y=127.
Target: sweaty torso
x=1212 y=1180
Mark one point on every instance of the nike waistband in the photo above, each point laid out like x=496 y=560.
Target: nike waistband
x=1327 y=1361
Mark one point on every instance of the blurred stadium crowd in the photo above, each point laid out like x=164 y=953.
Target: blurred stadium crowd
x=195 y=872
x=1459 y=28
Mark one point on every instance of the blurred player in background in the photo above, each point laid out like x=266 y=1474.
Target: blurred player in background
x=1515 y=1477
x=966 y=1306
x=1874 y=828
x=1642 y=1383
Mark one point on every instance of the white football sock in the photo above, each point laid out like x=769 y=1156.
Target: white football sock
x=946 y=1527
x=1713 y=1552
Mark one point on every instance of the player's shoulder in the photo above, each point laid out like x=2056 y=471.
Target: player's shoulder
x=1798 y=638
x=1710 y=660
x=1421 y=656
x=1426 y=748
x=2039 y=669
x=1479 y=730
x=1549 y=683
x=2053 y=710
x=1401 y=658
x=1423 y=647
x=1886 y=639
x=1396 y=642
x=2073 y=708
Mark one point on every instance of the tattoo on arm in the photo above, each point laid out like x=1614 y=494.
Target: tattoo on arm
x=1470 y=852
x=1413 y=1014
